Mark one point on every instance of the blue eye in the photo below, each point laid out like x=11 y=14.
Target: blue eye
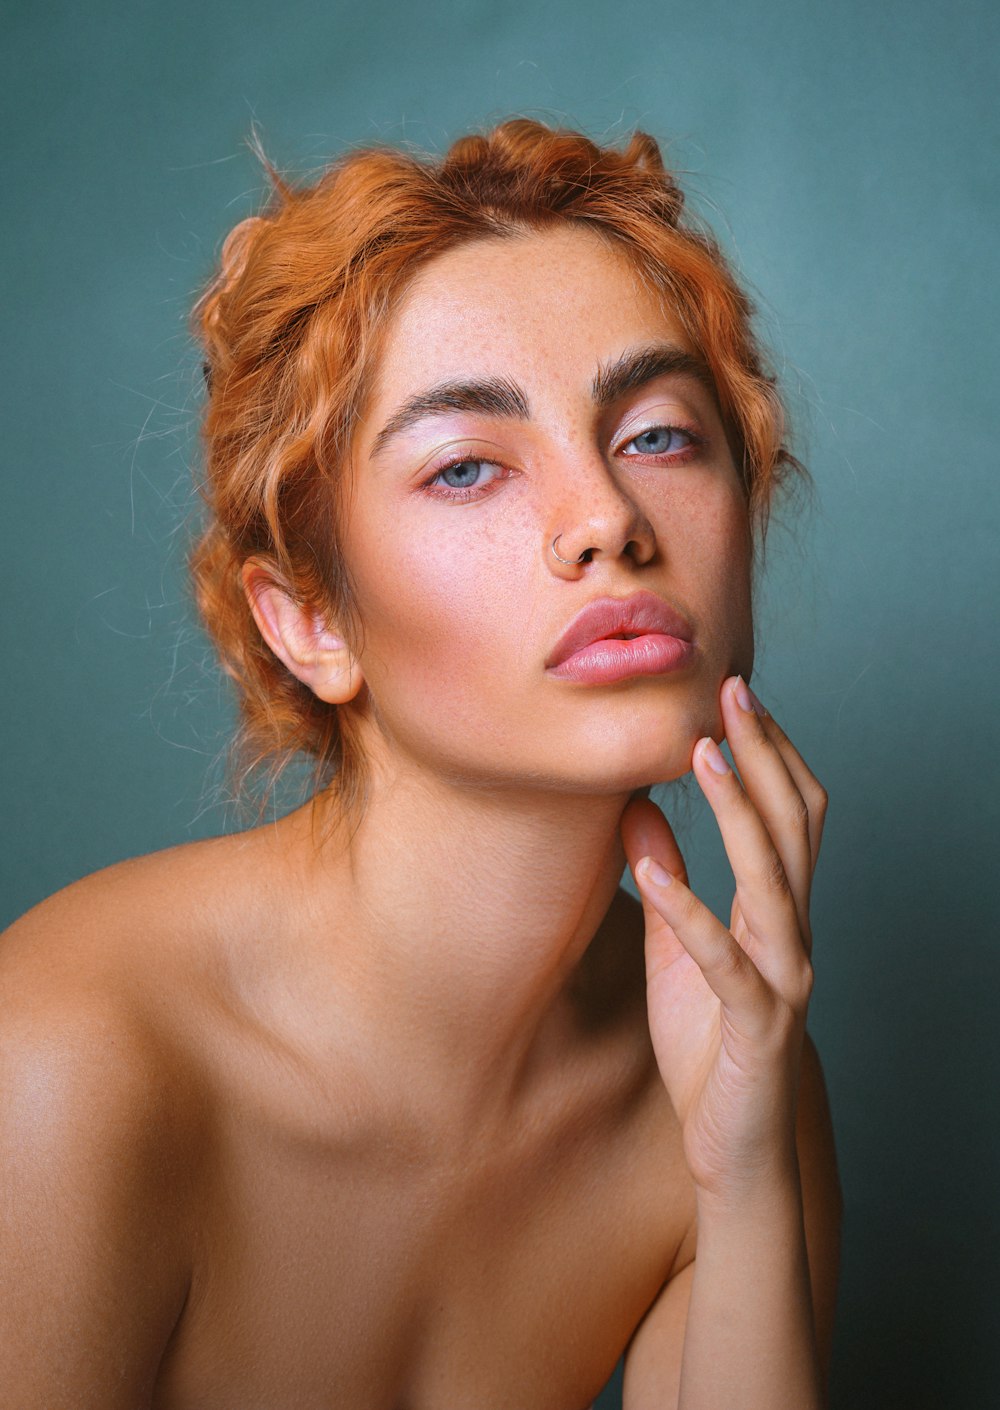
x=462 y=475
x=661 y=440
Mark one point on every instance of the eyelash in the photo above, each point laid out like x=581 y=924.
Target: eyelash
x=695 y=443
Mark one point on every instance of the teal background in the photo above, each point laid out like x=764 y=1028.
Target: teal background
x=847 y=154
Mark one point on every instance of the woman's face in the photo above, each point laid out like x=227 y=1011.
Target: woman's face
x=566 y=403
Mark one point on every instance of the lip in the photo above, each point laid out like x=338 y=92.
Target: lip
x=663 y=640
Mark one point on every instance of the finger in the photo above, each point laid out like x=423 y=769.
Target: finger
x=772 y=790
x=766 y=901
x=646 y=833
x=728 y=970
x=806 y=782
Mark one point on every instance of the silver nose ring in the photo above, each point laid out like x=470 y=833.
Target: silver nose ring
x=570 y=561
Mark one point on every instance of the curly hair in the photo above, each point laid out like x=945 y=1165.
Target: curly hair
x=291 y=325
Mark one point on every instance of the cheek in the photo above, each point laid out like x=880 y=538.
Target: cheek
x=432 y=608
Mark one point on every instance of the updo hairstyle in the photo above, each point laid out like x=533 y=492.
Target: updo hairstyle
x=291 y=325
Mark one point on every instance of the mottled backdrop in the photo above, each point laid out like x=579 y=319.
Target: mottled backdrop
x=847 y=154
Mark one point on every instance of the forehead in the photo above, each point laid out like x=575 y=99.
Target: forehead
x=541 y=307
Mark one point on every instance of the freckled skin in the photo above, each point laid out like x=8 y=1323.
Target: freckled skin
x=418 y=1152
x=459 y=600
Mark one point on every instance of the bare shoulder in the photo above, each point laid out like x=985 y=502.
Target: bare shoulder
x=102 y=1118
x=87 y=1077
x=99 y=987
x=92 y=983
x=112 y=980
x=150 y=969
x=172 y=896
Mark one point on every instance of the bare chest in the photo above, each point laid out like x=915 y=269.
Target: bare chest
x=380 y=1274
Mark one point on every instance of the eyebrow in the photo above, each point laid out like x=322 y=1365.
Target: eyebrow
x=500 y=397
x=635 y=368
x=493 y=396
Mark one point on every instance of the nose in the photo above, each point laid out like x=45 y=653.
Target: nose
x=593 y=517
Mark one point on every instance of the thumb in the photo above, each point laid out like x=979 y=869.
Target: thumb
x=646 y=833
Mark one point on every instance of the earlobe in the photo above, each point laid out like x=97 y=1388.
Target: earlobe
x=300 y=637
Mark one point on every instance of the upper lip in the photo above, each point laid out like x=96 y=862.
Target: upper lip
x=612 y=616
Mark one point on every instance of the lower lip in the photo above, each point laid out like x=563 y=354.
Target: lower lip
x=603 y=662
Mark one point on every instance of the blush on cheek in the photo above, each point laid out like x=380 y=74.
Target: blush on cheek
x=427 y=637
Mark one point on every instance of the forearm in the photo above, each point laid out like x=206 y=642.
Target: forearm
x=750 y=1339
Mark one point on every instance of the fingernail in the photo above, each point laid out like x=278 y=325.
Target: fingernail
x=746 y=699
x=650 y=870
x=714 y=757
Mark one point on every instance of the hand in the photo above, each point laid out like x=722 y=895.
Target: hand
x=727 y=1008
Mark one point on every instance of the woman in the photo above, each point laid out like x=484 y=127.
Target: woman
x=401 y=1101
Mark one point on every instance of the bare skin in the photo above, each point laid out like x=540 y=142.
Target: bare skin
x=306 y=1231
x=381 y=1123
x=342 y=1237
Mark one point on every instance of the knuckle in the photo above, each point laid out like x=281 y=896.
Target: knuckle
x=771 y=1019
x=798 y=813
x=689 y=908
x=786 y=1021
x=730 y=961
x=804 y=983
x=774 y=877
x=818 y=798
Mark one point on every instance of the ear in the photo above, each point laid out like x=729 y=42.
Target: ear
x=301 y=637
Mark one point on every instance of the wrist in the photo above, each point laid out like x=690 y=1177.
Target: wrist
x=763 y=1194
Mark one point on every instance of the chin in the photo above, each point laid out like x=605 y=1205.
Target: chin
x=654 y=748
x=662 y=743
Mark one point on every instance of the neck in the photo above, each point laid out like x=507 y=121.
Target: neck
x=463 y=915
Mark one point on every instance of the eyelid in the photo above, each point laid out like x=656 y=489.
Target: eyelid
x=445 y=459
x=465 y=460
x=696 y=438
x=463 y=450
x=662 y=407
x=469 y=492
x=458 y=449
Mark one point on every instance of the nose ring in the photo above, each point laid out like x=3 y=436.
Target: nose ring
x=570 y=561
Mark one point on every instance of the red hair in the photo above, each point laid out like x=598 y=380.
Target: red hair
x=291 y=325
